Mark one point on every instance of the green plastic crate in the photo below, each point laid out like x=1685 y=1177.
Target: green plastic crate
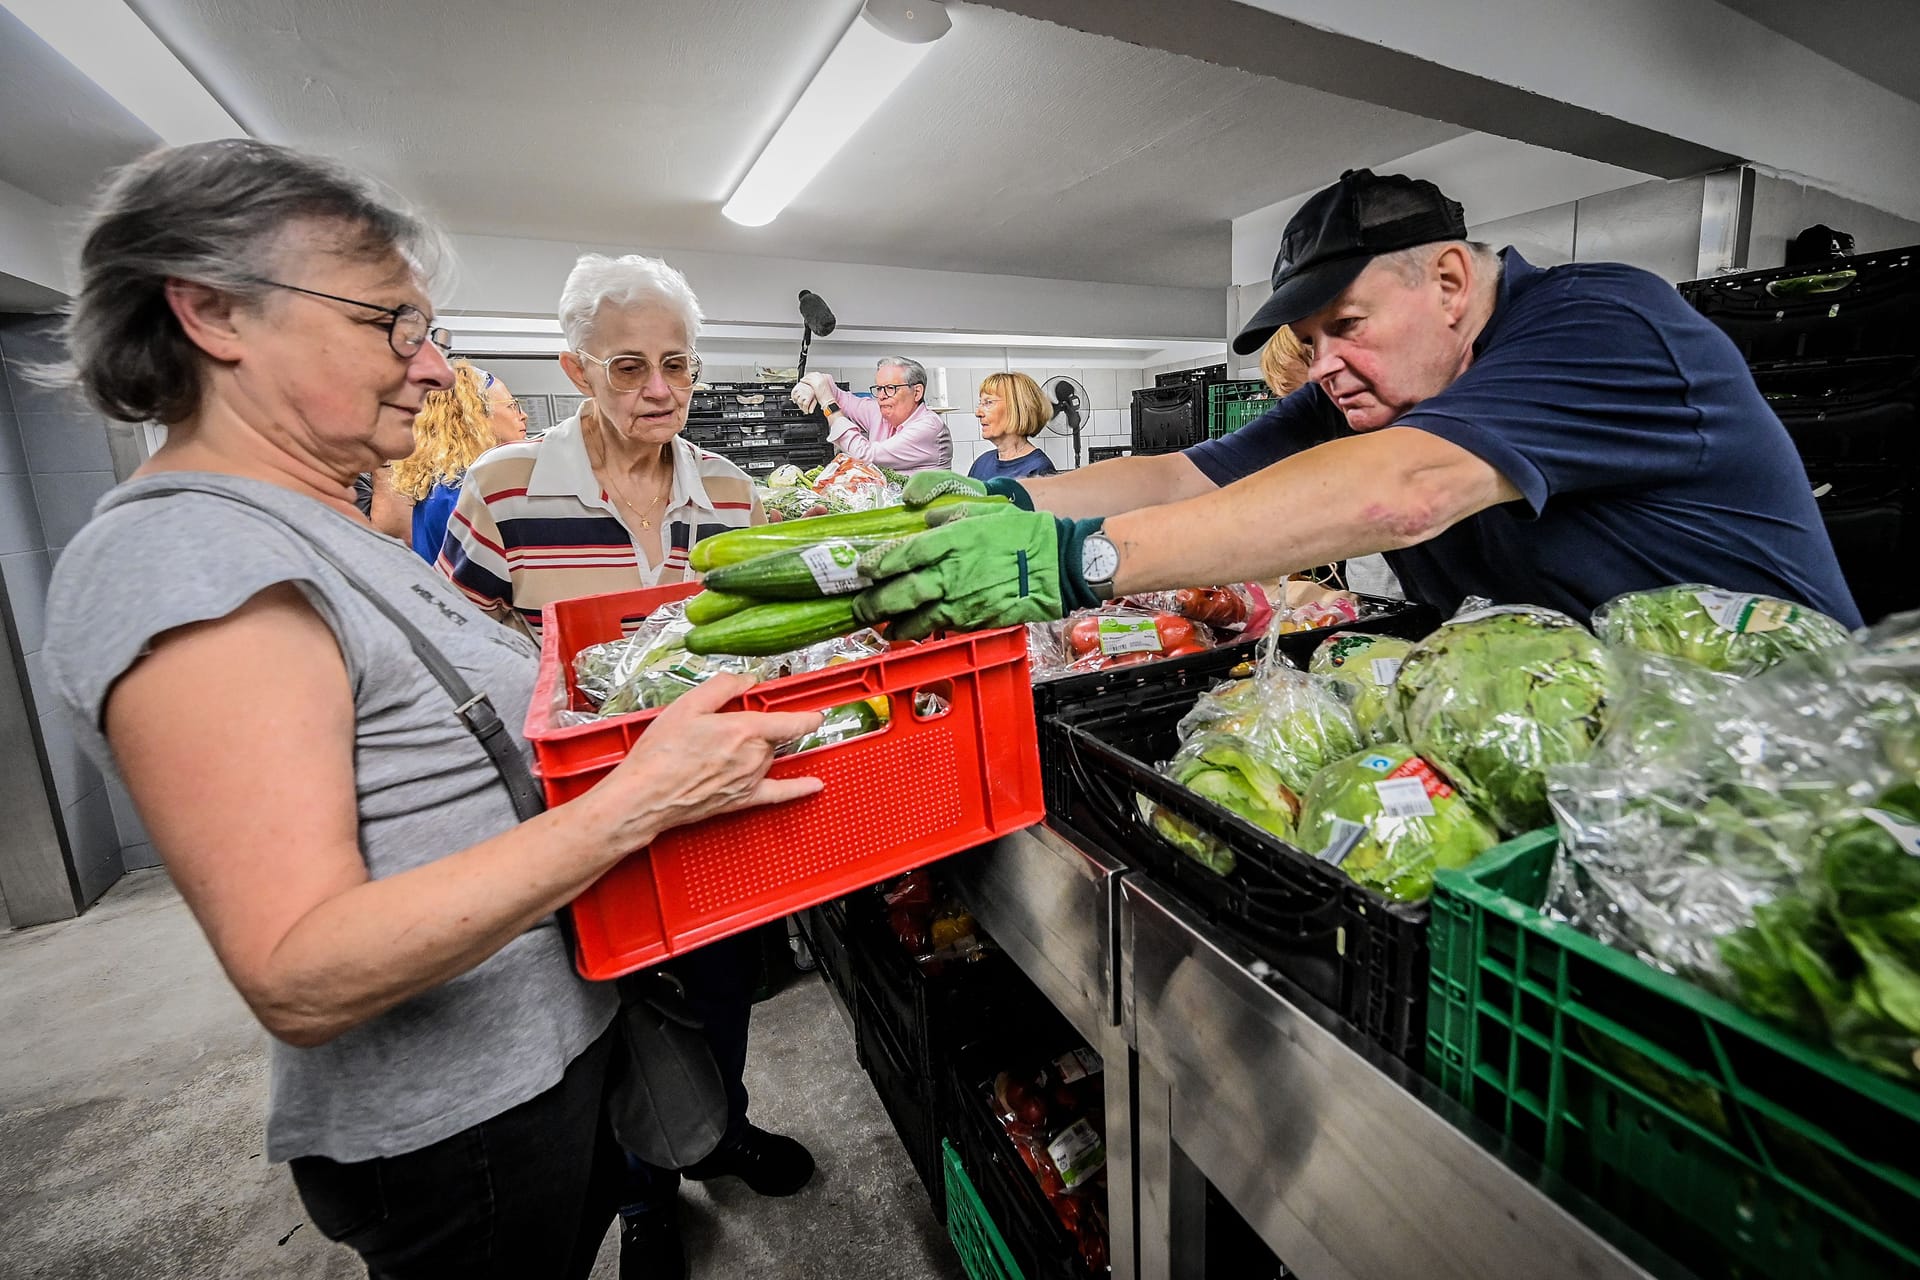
x=1232 y=405
x=983 y=1251
x=1734 y=1145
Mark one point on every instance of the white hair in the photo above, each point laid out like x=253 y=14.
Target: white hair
x=915 y=371
x=627 y=282
x=1411 y=264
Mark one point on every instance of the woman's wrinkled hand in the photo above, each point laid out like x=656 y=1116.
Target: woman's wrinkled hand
x=696 y=761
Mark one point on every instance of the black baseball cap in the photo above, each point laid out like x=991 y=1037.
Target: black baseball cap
x=1337 y=232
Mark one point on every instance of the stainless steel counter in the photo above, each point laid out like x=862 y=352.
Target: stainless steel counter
x=1348 y=1165
x=1053 y=907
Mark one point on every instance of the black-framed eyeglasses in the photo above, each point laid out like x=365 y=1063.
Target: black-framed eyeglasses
x=408 y=328
x=626 y=373
x=887 y=391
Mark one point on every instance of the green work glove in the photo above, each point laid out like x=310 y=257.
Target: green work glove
x=971 y=573
x=923 y=487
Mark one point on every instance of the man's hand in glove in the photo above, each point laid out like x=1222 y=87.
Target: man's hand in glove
x=924 y=486
x=810 y=391
x=976 y=570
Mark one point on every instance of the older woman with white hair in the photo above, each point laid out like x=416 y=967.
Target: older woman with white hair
x=895 y=429
x=609 y=500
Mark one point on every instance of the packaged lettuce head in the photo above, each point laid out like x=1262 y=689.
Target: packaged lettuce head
x=1656 y=706
x=1366 y=665
x=1386 y=818
x=1295 y=723
x=1702 y=807
x=1495 y=697
x=1738 y=633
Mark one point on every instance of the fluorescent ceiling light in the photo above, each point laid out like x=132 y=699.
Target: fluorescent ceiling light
x=887 y=41
x=106 y=41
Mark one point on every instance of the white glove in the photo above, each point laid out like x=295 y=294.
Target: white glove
x=818 y=392
x=803 y=397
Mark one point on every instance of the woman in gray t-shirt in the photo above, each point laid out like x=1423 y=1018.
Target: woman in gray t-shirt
x=439 y=1071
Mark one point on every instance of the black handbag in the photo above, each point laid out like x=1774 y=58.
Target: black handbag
x=668 y=1102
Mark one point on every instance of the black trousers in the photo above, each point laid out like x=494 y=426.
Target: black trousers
x=719 y=979
x=528 y=1193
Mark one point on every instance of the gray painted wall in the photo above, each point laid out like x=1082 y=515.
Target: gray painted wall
x=54 y=466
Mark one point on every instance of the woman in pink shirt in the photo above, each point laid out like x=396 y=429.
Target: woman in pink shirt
x=895 y=429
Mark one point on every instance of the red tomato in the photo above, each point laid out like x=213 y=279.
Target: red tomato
x=1174 y=631
x=1083 y=637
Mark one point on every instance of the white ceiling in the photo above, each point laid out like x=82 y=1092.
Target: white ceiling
x=59 y=132
x=1020 y=148
x=1879 y=39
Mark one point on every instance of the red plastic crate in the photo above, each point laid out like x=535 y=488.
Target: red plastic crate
x=916 y=791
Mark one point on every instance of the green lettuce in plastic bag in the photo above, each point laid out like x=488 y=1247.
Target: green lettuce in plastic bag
x=1389 y=821
x=1740 y=634
x=1367 y=666
x=1496 y=696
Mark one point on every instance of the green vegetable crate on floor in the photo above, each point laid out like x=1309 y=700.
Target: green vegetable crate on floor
x=1734 y=1146
x=983 y=1252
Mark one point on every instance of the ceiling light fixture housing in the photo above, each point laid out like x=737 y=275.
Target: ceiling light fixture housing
x=887 y=41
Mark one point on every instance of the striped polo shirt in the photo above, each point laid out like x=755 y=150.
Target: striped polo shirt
x=534 y=525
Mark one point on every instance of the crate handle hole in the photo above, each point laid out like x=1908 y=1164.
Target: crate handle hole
x=932 y=701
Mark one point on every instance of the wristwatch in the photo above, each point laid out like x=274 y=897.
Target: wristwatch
x=1099 y=561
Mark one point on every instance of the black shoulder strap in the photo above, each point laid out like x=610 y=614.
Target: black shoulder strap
x=474 y=709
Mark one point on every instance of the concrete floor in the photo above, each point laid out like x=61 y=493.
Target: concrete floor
x=132 y=1100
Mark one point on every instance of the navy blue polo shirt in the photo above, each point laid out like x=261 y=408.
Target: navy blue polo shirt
x=1642 y=450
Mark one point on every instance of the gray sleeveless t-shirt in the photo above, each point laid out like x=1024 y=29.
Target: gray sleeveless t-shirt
x=491 y=1038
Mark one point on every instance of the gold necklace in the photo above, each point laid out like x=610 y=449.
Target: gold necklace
x=619 y=494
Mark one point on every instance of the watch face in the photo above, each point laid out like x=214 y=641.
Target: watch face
x=1099 y=558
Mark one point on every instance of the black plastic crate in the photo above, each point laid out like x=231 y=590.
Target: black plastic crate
x=909 y=1097
x=825 y=927
x=1196 y=673
x=1180 y=377
x=759 y=461
x=744 y=402
x=1040 y=1246
x=777 y=432
x=1866 y=305
x=1872 y=515
x=1362 y=955
x=1166 y=419
x=1108 y=451
x=1849 y=412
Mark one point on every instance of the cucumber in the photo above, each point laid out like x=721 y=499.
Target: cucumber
x=711 y=606
x=800 y=573
x=775 y=628
x=736 y=545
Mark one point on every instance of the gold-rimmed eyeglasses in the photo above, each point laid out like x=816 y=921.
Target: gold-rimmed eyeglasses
x=633 y=373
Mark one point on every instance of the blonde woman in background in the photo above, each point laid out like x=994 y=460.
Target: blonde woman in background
x=453 y=429
x=1011 y=410
x=1283 y=363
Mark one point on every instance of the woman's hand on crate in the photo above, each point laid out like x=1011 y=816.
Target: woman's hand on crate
x=696 y=761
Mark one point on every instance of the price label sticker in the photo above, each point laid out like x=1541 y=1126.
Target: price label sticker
x=835 y=567
x=1078 y=1153
x=1385 y=670
x=1129 y=635
x=1745 y=615
x=1078 y=1065
x=1404 y=798
x=1345 y=836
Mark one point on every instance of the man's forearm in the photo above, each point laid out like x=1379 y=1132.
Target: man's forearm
x=1122 y=484
x=1353 y=497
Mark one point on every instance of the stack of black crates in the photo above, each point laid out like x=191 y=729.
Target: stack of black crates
x=931 y=1043
x=1835 y=349
x=754 y=426
x=1171 y=415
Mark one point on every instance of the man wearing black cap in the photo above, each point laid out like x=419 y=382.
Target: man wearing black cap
x=1533 y=436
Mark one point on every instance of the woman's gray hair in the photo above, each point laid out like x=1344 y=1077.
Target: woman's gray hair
x=915 y=371
x=627 y=282
x=211 y=213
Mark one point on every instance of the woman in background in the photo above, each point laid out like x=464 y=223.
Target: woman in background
x=453 y=429
x=1011 y=411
